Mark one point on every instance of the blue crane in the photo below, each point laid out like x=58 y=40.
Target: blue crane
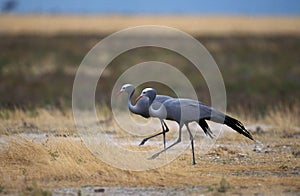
x=184 y=111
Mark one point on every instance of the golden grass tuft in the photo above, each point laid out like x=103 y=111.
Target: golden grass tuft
x=284 y=118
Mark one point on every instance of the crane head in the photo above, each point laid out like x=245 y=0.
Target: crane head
x=129 y=88
x=147 y=92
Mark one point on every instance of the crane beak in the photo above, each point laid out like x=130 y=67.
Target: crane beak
x=138 y=98
x=119 y=93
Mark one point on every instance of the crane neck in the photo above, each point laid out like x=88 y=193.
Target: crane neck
x=151 y=99
x=131 y=107
x=158 y=110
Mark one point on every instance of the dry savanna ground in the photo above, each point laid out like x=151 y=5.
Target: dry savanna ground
x=41 y=151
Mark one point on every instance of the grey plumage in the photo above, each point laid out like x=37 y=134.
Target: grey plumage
x=141 y=107
x=184 y=111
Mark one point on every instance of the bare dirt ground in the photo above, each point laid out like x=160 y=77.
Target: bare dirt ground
x=37 y=157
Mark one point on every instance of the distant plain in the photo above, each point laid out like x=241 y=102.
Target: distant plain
x=257 y=56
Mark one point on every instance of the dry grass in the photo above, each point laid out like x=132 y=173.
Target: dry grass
x=281 y=118
x=284 y=118
x=218 y=25
x=36 y=120
x=24 y=163
x=61 y=160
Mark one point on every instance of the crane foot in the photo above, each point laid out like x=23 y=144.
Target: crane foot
x=143 y=142
x=154 y=156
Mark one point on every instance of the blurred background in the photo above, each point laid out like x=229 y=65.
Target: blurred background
x=226 y=7
x=255 y=43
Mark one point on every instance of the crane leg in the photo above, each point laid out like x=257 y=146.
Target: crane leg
x=192 y=143
x=165 y=129
x=177 y=141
